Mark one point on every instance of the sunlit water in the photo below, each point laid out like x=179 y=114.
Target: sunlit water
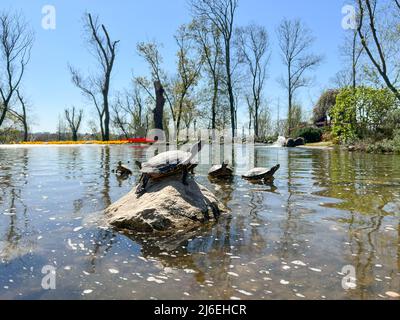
x=326 y=210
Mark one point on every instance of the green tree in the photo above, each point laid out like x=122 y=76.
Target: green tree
x=343 y=115
x=364 y=113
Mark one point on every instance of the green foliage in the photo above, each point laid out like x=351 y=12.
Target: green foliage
x=10 y=135
x=310 y=134
x=343 y=116
x=396 y=141
x=363 y=113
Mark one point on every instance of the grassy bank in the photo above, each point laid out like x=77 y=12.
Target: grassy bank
x=383 y=147
x=325 y=144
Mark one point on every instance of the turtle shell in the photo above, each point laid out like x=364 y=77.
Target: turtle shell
x=261 y=173
x=220 y=171
x=167 y=163
x=215 y=169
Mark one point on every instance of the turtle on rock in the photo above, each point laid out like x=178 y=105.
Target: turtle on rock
x=168 y=164
x=221 y=171
x=261 y=174
x=122 y=170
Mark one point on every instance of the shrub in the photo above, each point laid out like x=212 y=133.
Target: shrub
x=363 y=113
x=396 y=141
x=310 y=134
x=344 y=117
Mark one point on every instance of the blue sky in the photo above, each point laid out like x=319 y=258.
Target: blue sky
x=47 y=82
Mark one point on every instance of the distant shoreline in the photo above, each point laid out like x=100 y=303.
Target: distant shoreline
x=317 y=146
x=15 y=146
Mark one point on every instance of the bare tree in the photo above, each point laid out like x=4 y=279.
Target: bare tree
x=352 y=53
x=74 y=120
x=97 y=88
x=119 y=119
x=22 y=116
x=150 y=52
x=295 y=39
x=189 y=68
x=373 y=44
x=356 y=53
x=222 y=15
x=61 y=128
x=208 y=39
x=129 y=111
x=254 y=52
x=16 y=41
x=158 y=112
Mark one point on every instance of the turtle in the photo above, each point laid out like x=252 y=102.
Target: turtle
x=122 y=170
x=167 y=164
x=259 y=174
x=221 y=171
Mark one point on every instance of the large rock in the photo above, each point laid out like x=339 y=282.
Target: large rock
x=290 y=143
x=293 y=143
x=167 y=206
x=300 y=142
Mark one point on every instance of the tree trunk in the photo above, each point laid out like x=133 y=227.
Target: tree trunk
x=230 y=88
x=290 y=122
x=3 y=115
x=25 y=124
x=354 y=63
x=106 y=116
x=160 y=102
x=25 y=132
x=107 y=127
x=256 y=129
x=178 y=120
x=289 y=99
x=214 y=106
x=102 y=129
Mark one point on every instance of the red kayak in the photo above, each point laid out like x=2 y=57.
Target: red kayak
x=140 y=140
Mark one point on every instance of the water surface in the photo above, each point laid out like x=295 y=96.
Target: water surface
x=327 y=209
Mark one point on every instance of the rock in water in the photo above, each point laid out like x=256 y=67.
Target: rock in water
x=300 y=142
x=290 y=143
x=167 y=206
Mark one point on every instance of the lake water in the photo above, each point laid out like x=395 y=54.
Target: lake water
x=326 y=210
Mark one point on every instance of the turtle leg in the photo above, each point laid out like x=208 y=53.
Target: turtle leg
x=140 y=185
x=138 y=164
x=185 y=174
x=144 y=179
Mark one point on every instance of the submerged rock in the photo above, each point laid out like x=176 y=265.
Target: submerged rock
x=167 y=206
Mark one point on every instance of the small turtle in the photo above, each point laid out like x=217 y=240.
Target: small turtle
x=259 y=174
x=122 y=170
x=221 y=171
x=167 y=164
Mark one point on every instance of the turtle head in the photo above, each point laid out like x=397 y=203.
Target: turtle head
x=275 y=169
x=197 y=148
x=138 y=164
x=225 y=164
x=120 y=163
